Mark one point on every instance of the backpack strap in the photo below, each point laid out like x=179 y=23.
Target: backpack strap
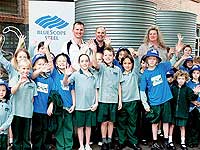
x=68 y=46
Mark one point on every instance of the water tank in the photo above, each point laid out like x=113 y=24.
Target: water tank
x=125 y=21
x=173 y=22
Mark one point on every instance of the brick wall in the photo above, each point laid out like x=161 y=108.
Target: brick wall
x=179 y=5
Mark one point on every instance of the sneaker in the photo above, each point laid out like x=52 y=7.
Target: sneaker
x=81 y=148
x=87 y=147
x=156 y=146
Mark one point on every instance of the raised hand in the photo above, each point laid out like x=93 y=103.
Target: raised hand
x=107 y=41
x=91 y=44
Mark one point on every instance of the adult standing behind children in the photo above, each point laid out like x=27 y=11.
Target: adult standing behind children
x=153 y=39
x=76 y=46
x=101 y=39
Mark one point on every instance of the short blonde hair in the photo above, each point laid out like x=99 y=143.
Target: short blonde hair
x=181 y=73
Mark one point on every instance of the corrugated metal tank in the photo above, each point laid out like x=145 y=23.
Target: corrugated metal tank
x=125 y=21
x=173 y=22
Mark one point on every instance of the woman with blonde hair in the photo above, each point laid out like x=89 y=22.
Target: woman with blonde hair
x=153 y=39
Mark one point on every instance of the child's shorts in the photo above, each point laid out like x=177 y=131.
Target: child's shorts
x=107 y=112
x=84 y=118
x=162 y=113
x=179 y=121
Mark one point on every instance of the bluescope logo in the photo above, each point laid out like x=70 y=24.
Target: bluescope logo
x=51 y=22
x=52 y=27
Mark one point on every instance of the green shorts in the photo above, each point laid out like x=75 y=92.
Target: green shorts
x=84 y=118
x=107 y=112
x=179 y=121
x=162 y=113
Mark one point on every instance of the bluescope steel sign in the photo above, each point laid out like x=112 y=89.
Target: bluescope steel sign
x=53 y=21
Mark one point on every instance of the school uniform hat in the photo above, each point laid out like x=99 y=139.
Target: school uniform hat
x=190 y=58
x=170 y=73
x=2 y=82
x=153 y=53
x=38 y=56
x=195 y=67
x=62 y=54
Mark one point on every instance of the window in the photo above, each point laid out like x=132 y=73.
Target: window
x=12 y=10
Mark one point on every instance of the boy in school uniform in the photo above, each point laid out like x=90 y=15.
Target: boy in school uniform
x=110 y=100
x=155 y=83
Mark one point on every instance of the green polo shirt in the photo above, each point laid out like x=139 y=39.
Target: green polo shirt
x=22 y=100
x=85 y=89
x=109 y=79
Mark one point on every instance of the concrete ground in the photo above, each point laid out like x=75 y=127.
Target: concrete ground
x=96 y=147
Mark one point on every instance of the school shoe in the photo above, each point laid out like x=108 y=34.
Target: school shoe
x=110 y=146
x=104 y=146
x=87 y=147
x=156 y=146
x=165 y=145
x=119 y=146
x=144 y=142
x=135 y=147
x=184 y=147
x=171 y=146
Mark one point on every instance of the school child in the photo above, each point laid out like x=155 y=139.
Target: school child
x=85 y=81
x=187 y=65
x=196 y=60
x=99 y=57
x=110 y=100
x=64 y=132
x=45 y=83
x=23 y=90
x=154 y=82
x=128 y=115
x=11 y=67
x=170 y=77
x=193 y=131
x=122 y=52
x=182 y=96
x=145 y=126
x=5 y=114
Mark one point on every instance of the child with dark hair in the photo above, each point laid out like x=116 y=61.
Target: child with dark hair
x=122 y=52
x=5 y=114
x=85 y=81
x=128 y=115
x=194 y=111
x=64 y=131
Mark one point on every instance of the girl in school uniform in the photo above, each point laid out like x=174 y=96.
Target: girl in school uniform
x=23 y=90
x=182 y=96
x=127 y=116
x=5 y=113
x=194 y=111
x=85 y=81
